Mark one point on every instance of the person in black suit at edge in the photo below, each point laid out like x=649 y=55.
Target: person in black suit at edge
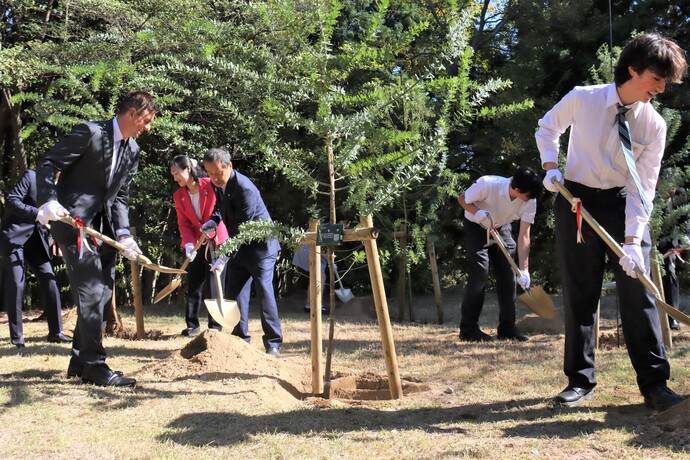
x=238 y=201
x=25 y=241
x=96 y=162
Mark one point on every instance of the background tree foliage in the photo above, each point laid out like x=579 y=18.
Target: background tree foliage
x=417 y=99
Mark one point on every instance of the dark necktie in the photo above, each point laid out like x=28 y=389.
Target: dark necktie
x=626 y=144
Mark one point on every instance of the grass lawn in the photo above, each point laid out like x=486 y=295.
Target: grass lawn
x=489 y=400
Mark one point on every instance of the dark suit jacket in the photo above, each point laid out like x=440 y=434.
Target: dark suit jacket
x=19 y=221
x=241 y=203
x=84 y=157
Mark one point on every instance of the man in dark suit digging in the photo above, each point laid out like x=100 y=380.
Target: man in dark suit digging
x=96 y=162
x=238 y=201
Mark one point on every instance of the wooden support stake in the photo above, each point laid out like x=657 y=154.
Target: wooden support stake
x=663 y=316
x=382 y=316
x=402 y=272
x=138 y=303
x=113 y=322
x=136 y=295
x=315 y=314
x=431 y=251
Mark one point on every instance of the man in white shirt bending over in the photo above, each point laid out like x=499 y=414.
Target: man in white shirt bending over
x=494 y=201
x=596 y=172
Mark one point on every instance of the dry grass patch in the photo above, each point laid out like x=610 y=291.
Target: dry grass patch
x=216 y=397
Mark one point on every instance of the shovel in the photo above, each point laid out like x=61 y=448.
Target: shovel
x=534 y=297
x=225 y=312
x=177 y=279
x=345 y=295
x=615 y=247
x=141 y=259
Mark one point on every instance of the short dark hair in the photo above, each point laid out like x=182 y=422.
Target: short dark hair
x=184 y=162
x=140 y=100
x=527 y=181
x=218 y=154
x=652 y=52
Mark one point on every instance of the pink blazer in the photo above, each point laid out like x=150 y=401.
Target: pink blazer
x=188 y=222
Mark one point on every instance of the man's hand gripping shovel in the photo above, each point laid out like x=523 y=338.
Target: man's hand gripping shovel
x=225 y=312
x=141 y=259
x=534 y=297
x=616 y=248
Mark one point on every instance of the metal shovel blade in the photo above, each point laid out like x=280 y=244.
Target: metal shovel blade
x=169 y=289
x=345 y=295
x=538 y=301
x=534 y=297
x=177 y=280
x=225 y=312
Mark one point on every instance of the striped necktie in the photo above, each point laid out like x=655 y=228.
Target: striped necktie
x=624 y=135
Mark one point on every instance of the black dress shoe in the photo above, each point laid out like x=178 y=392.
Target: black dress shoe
x=273 y=351
x=75 y=368
x=190 y=332
x=475 y=336
x=18 y=342
x=513 y=334
x=673 y=324
x=102 y=376
x=660 y=397
x=573 y=396
x=59 y=338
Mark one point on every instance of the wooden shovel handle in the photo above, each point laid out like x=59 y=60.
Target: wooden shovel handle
x=499 y=241
x=197 y=246
x=608 y=239
x=106 y=239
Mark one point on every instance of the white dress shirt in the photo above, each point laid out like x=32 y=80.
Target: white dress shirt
x=595 y=157
x=491 y=193
x=117 y=142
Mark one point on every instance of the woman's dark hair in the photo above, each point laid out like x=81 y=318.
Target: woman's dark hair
x=527 y=181
x=184 y=162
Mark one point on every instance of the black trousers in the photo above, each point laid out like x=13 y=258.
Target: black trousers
x=582 y=269
x=198 y=286
x=670 y=279
x=479 y=256
x=33 y=254
x=240 y=276
x=91 y=279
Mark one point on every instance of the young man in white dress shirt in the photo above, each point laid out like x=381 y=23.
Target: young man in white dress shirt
x=596 y=172
x=494 y=201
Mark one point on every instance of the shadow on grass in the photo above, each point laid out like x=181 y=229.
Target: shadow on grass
x=531 y=418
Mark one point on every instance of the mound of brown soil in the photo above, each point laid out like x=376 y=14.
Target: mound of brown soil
x=534 y=324
x=370 y=387
x=217 y=355
x=674 y=423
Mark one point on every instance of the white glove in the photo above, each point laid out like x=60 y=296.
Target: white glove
x=633 y=258
x=524 y=279
x=209 y=227
x=131 y=250
x=219 y=264
x=483 y=218
x=551 y=174
x=52 y=210
x=189 y=251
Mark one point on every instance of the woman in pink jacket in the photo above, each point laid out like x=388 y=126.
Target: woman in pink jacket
x=194 y=202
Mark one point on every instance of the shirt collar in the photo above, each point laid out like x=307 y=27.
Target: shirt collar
x=117 y=134
x=505 y=189
x=612 y=99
